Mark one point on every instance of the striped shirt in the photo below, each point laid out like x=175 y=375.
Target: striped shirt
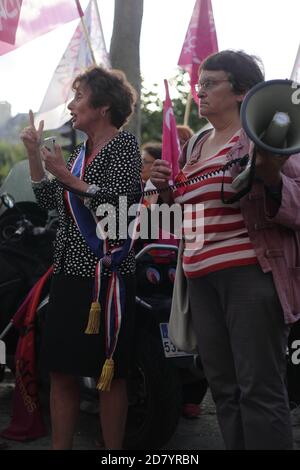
x=222 y=240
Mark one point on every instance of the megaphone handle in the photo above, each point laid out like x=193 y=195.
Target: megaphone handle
x=241 y=178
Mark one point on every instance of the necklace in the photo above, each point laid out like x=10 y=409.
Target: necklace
x=103 y=142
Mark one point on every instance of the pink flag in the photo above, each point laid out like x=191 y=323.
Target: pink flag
x=23 y=20
x=170 y=141
x=200 y=41
x=9 y=19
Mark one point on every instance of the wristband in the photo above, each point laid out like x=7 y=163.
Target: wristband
x=91 y=191
x=41 y=182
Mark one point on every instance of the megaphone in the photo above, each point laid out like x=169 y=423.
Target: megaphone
x=270 y=115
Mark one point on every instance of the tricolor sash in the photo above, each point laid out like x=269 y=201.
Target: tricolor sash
x=113 y=301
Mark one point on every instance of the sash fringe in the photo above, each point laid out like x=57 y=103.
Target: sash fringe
x=113 y=300
x=107 y=375
x=93 y=325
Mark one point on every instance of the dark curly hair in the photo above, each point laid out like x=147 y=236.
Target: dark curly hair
x=153 y=148
x=109 y=88
x=244 y=70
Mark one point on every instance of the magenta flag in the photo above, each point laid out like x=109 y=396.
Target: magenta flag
x=200 y=41
x=9 y=19
x=170 y=141
x=24 y=20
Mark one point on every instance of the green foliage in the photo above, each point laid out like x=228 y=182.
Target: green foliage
x=9 y=155
x=151 y=120
x=152 y=108
x=151 y=115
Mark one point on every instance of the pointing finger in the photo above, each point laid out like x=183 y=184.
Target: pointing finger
x=31 y=118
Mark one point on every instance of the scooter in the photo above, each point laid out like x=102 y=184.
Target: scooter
x=159 y=369
x=25 y=255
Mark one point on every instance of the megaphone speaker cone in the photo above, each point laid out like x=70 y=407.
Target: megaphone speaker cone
x=270 y=116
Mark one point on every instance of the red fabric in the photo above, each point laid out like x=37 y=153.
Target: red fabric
x=9 y=19
x=36 y=18
x=27 y=422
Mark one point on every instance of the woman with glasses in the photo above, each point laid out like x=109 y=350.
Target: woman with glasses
x=241 y=274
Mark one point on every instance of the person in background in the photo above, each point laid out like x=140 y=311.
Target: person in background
x=76 y=338
x=150 y=151
x=243 y=275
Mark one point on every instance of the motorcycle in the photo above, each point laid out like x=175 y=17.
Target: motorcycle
x=159 y=370
x=25 y=255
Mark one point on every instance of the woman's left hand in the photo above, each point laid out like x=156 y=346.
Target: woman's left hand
x=268 y=166
x=54 y=162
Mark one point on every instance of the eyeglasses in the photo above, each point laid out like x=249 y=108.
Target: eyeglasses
x=208 y=84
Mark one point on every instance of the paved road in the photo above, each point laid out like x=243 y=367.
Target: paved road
x=199 y=434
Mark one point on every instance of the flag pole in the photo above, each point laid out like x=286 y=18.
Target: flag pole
x=99 y=20
x=187 y=109
x=86 y=33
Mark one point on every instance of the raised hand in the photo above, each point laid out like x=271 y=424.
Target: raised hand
x=31 y=136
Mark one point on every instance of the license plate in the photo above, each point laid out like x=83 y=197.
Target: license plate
x=170 y=349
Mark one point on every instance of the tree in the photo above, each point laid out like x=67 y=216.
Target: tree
x=9 y=155
x=125 y=47
x=151 y=115
x=152 y=108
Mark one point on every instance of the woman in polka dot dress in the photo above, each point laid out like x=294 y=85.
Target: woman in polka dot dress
x=109 y=165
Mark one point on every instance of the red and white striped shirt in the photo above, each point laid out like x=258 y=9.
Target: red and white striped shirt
x=224 y=242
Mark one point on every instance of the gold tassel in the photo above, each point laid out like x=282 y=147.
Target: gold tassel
x=106 y=377
x=93 y=325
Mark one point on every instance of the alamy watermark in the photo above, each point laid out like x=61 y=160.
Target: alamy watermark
x=161 y=222
x=296 y=93
x=295 y=354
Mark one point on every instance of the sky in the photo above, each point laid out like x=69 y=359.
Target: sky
x=267 y=28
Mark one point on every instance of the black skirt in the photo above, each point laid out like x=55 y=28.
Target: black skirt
x=66 y=348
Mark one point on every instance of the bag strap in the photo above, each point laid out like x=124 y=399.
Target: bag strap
x=192 y=142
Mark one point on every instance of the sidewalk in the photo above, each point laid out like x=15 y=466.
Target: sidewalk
x=198 y=434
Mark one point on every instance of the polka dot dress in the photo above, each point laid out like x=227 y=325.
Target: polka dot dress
x=116 y=171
